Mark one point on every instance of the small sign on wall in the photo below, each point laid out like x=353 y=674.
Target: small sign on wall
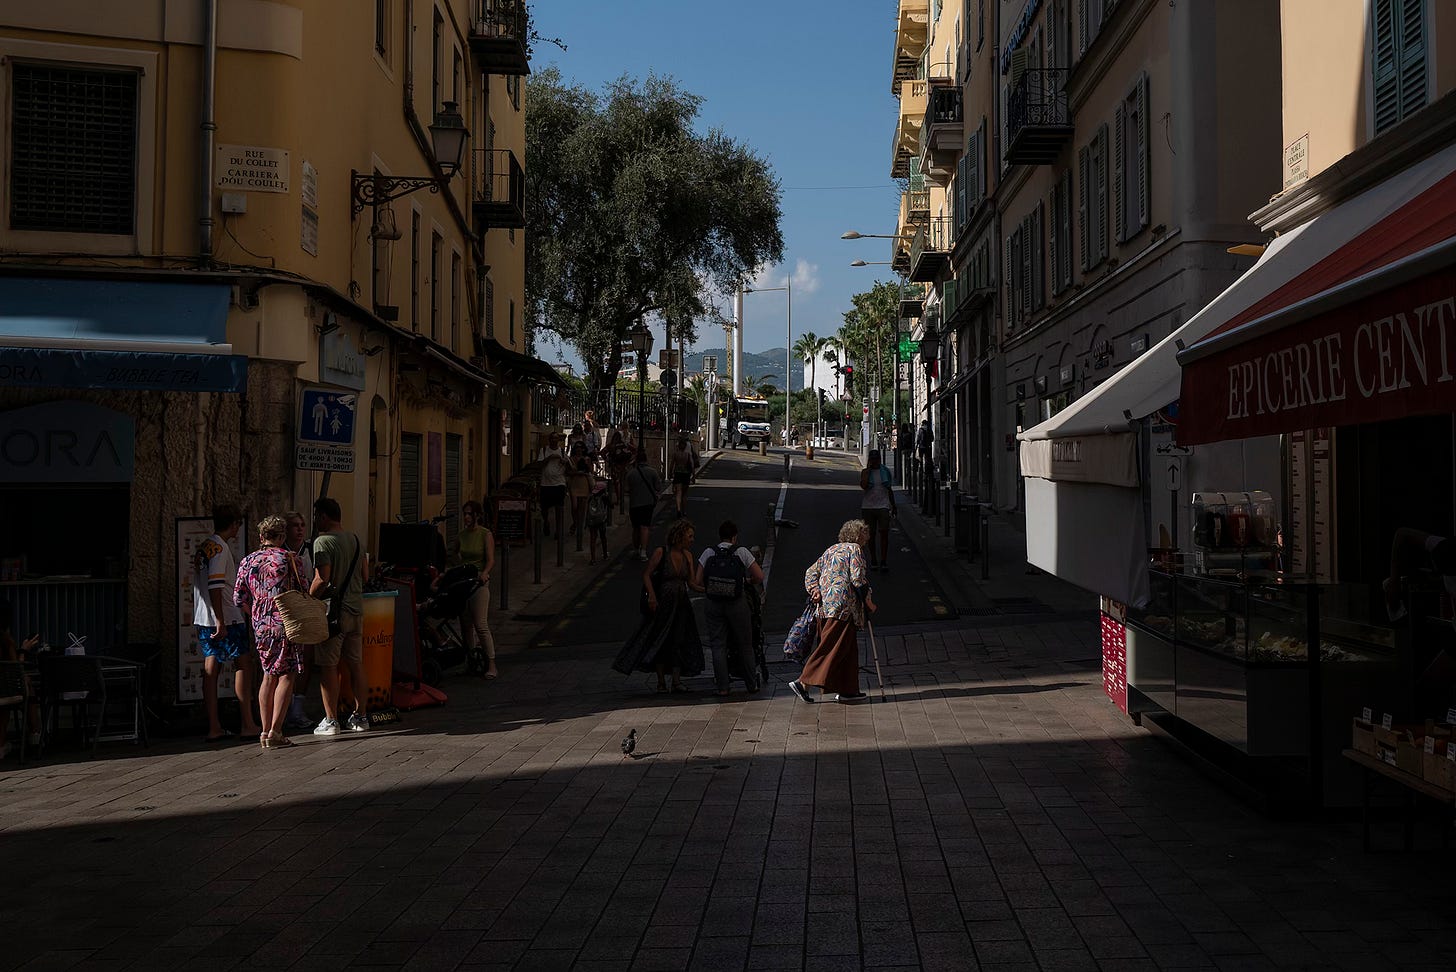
x=252 y=168
x=1296 y=161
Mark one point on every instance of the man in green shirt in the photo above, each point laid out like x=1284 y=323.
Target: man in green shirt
x=340 y=571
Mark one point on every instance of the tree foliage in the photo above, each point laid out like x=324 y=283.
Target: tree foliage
x=868 y=337
x=632 y=214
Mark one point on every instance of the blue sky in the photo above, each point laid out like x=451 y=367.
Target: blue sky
x=806 y=83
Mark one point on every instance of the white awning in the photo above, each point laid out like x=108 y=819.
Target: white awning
x=1090 y=535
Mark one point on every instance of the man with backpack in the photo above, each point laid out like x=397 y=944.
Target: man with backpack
x=877 y=507
x=724 y=573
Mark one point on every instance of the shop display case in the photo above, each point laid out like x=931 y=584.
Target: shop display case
x=1233 y=661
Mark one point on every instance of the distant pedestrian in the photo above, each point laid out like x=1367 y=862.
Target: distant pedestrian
x=579 y=485
x=668 y=639
x=575 y=438
x=598 y=509
x=839 y=584
x=724 y=573
x=263 y=575
x=339 y=573
x=474 y=546
x=682 y=470
x=619 y=460
x=222 y=633
x=644 y=487
x=552 y=490
x=877 y=507
x=904 y=449
x=591 y=434
x=925 y=444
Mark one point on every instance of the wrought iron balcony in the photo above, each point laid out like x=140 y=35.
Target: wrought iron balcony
x=940 y=135
x=906 y=143
x=498 y=33
x=930 y=249
x=1037 y=121
x=499 y=198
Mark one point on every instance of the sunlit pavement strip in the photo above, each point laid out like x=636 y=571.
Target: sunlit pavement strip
x=995 y=812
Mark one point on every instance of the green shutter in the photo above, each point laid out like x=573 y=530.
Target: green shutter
x=1144 y=199
x=1412 y=57
x=1383 y=66
x=917 y=179
x=1100 y=178
x=1084 y=202
x=1119 y=168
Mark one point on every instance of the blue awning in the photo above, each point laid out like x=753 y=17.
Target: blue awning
x=66 y=310
x=66 y=332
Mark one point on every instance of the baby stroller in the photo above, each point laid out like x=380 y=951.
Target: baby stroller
x=442 y=638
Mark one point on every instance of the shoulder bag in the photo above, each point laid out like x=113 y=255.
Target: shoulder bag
x=305 y=618
x=336 y=605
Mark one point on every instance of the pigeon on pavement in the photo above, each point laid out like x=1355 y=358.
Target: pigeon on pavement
x=629 y=743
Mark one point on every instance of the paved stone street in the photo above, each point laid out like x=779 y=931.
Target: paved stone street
x=993 y=811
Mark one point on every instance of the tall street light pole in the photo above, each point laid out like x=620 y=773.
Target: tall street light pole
x=642 y=344
x=788 y=289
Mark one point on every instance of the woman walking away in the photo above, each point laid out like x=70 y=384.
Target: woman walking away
x=643 y=487
x=837 y=582
x=619 y=460
x=263 y=575
x=682 y=469
x=877 y=507
x=667 y=639
x=474 y=547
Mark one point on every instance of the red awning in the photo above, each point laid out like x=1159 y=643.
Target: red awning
x=1364 y=335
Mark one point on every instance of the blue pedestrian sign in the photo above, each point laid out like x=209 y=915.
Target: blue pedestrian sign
x=325 y=439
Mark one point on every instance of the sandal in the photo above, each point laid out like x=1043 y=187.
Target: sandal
x=279 y=741
x=263 y=740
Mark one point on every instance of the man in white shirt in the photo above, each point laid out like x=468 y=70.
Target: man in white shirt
x=729 y=623
x=222 y=633
x=552 y=490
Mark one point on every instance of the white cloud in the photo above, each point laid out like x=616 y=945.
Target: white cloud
x=805 y=277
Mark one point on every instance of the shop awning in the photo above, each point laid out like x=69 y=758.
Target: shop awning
x=66 y=332
x=523 y=365
x=1363 y=335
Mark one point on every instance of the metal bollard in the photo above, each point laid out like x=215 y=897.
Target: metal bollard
x=763 y=447
x=947 y=499
x=505 y=575
x=536 y=548
x=788 y=458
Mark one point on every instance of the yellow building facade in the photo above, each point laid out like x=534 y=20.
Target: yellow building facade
x=225 y=227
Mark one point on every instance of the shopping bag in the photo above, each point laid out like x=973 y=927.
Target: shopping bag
x=802 y=636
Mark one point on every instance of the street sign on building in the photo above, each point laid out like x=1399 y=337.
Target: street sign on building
x=325 y=431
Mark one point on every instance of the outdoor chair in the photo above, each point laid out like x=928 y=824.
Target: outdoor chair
x=77 y=681
x=15 y=697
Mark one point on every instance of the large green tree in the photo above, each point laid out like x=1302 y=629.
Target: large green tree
x=633 y=215
x=867 y=337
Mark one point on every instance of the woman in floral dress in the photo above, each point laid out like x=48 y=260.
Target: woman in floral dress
x=839 y=585
x=263 y=575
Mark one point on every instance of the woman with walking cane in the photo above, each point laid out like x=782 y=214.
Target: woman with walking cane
x=839 y=584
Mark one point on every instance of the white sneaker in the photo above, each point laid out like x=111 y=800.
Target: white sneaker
x=358 y=723
x=848 y=698
x=328 y=727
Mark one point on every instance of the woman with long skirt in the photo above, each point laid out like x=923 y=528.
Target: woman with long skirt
x=667 y=640
x=838 y=584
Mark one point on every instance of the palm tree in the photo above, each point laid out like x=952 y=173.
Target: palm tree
x=809 y=347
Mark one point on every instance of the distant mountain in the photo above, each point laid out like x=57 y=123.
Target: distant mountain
x=770 y=362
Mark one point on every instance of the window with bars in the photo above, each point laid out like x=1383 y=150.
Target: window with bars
x=1130 y=169
x=73 y=149
x=1092 y=199
x=1398 y=60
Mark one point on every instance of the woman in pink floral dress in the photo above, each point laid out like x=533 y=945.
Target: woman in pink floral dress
x=263 y=575
x=839 y=585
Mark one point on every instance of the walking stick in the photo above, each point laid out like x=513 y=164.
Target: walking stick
x=870 y=626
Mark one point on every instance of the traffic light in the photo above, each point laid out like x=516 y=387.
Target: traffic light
x=849 y=371
x=821 y=397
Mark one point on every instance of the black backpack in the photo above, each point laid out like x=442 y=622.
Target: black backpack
x=724 y=575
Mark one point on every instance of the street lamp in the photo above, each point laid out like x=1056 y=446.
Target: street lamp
x=788 y=289
x=642 y=344
x=447 y=137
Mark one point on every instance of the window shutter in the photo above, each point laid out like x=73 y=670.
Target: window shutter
x=1082 y=27
x=981 y=162
x=1028 y=277
x=1144 y=199
x=1084 y=202
x=1038 y=257
x=1100 y=176
x=1054 y=247
x=917 y=178
x=1009 y=275
x=1412 y=57
x=1384 y=68
x=1119 y=169
x=1066 y=227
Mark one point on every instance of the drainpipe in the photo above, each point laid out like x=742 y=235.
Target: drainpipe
x=209 y=133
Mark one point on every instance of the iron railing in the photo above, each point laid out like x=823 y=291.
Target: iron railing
x=499 y=178
x=507 y=20
x=1039 y=100
x=562 y=408
x=932 y=236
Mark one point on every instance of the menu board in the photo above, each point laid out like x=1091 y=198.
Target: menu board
x=191 y=531
x=1114 y=660
x=512 y=520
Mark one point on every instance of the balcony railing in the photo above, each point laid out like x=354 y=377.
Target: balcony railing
x=499 y=198
x=912 y=26
x=930 y=249
x=917 y=205
x=940 y=135
x=1037 y=121
x=907 y=131
x=498 y=33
